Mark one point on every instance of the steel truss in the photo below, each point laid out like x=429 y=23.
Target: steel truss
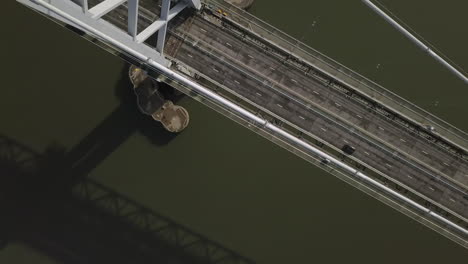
x=94 y=16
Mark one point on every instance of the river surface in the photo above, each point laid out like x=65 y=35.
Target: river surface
x=219 y=178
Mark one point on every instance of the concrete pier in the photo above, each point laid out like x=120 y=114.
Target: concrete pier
x=151 y=102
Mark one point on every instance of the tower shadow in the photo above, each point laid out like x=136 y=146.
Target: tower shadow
x=123 y=122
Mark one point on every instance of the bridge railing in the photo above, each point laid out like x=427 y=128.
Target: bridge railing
x=341 y=72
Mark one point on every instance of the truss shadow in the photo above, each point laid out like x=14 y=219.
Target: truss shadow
x=78 y=220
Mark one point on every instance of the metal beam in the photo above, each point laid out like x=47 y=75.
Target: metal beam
x=195 y=4
x=158 y=24
x=150 y=30
x=104 y=7
x=133 y=18
x=176 y=10
x=84 y=5
x=166 y=5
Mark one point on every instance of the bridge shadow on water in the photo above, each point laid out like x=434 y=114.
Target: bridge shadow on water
x=47 y=206
x=124 y=121
x=48 y=203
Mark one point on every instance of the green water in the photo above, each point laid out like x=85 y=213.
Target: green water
x=217 y=177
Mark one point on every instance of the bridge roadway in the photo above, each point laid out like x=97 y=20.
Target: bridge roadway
x=315 y=103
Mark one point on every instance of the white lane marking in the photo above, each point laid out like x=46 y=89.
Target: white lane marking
x=279 y=105
x=424 y=152
x=315 y=92
x=203 y=30
x=323 y=129
x=452 y=200
x=228 y=44
x=367 y=153
x=259 y=94
x=271 y=68
x=345 y=141
x=250 y=56
x=359 y=116
x=293 y=80
x=236 y=81
x=388 y=165
x=446 y=164
x=216 y=70
x=190 y=55
x=402 y=140
x=409 y=176
x=301 y=117
x=432 y=189
x=381 y=128
x=337 y=104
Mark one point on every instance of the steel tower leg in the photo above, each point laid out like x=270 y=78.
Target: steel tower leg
x=166 y=5
x=84 y=5
x=132 y=18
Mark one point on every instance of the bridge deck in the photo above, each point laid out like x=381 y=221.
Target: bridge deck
x=385 y=98
x=308 y=102
x=303 y=96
